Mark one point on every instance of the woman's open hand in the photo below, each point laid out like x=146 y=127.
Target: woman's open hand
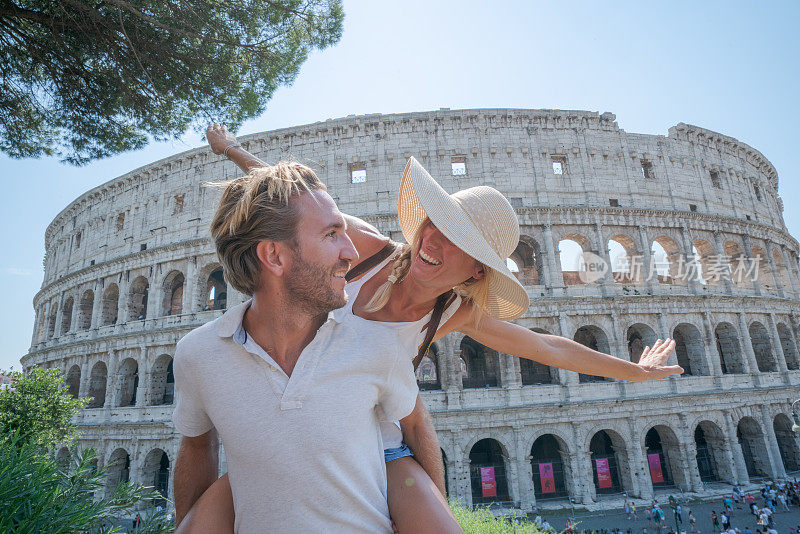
x=219 y=138
x=653 y=359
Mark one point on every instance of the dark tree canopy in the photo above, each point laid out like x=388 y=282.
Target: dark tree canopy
x=85 y=79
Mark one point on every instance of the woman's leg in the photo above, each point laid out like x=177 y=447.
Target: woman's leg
x=213 y=511
x=415 y=504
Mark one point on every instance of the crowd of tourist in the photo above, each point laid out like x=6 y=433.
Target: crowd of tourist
x=740 y=513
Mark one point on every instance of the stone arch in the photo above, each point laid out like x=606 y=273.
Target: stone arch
x=110 y=305
x=118 y=468
x=761 y=261
x=596 y=339
x=173 y=293
x=623 y=254
x=666 y=259
x=127 y=382
x=730 y=352
x=690 y=349
x=710 y=444
x=155 y=473
x=610 y=465
x=63 y=459
x=534 y=373
x=86 y=306
x=550 y=465
x=754 y=447
x=639 y=336
x=736 y=261
x=97 y=385
x=762 y=348
x=787 y=442
x=162 y=381
x=66 y=315
x=708 y=261
x=428 y=374
x=488 y=472
x=216 y=290
x=789 y=348
x=663 y=454
x=571 y=249
x=74 y=380
x=483 y=365
x=527 y=258
x=137 y=299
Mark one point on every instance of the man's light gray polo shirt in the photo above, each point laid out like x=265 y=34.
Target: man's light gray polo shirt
x=304 y=453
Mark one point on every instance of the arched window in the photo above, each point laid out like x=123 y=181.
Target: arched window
x=137 y=299
x=594 y=338
x=87 y=303
x=66 y=317
x=488 y=472
x=216 y=291
x=110 y=305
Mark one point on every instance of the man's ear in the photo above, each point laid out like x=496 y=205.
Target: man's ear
x=273 y=257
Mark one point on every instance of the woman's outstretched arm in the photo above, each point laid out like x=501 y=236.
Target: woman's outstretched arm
x=557 y=351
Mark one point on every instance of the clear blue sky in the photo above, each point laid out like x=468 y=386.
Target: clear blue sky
x=727 y=66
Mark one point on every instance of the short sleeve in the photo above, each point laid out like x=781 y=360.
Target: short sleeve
x=189 y=417
x=399 y=392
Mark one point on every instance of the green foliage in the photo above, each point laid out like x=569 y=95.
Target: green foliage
x=482 y=521
x=37 y=496
x=84 y=79
x=38 y=407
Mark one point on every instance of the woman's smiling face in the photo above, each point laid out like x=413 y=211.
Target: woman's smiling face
x=437 y=261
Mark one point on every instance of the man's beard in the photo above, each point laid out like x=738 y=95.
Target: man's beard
x=309 y=286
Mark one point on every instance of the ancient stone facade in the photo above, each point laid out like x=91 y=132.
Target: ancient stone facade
x=129 y=269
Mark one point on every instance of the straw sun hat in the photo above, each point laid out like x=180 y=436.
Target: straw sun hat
x=479 y=221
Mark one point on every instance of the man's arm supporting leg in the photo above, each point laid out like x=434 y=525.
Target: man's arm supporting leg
x=420 y=435
x=196 y=469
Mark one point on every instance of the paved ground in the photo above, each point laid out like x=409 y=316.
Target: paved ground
x=785 y=522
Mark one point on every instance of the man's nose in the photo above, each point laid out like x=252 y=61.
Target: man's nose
x=349 y=251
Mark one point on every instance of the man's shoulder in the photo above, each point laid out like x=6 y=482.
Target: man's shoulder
x=198 y=340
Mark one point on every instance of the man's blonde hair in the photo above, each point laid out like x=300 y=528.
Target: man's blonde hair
x=255 y=208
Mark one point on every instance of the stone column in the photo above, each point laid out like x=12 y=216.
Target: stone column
x=777 y=469
x=111 y=379
x=618 y=338
x=639 y=469
x=553 y=277
x=464 y=482
x=83 y=389
x=122 y=303
x=512 y=475
x=59 y=315
x=792 y=271
x=582 y=477
x=736 y=450
x=779 y=289
x=688 y=256
x=144 y=378
x=155 y=295
x=751 y=365
x=565 y=378
x=689 y=452
x=777 y=347
x=662 y=325
x=97 y=306
x=647 y=258
x=719 y=247
x=527 y=494
x=711 y=346
x=190 y=286
x=607 y=280
x=759 y=290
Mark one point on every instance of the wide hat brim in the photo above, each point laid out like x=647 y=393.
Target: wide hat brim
x=420 y=198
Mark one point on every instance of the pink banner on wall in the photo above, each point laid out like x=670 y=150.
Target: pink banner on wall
x=547 y=478
x=655 y=467
x=603 y=473
x=488 y=483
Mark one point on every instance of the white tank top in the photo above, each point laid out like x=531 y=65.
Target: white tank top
x=410 y=334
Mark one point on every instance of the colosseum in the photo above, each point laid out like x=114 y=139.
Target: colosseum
x=129 y=269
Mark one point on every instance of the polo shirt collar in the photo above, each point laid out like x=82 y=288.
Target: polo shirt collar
x=231 y=320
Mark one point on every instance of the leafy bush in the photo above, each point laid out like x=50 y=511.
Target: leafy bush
x=482 y=521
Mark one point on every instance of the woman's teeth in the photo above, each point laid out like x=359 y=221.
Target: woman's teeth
x=427 y=259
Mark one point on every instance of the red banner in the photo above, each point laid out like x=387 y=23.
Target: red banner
x=488 y=483
x=603 y=473
x=547 y=479
x=655 y=467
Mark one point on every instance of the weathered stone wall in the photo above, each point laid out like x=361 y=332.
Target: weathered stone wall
x=144 y=237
